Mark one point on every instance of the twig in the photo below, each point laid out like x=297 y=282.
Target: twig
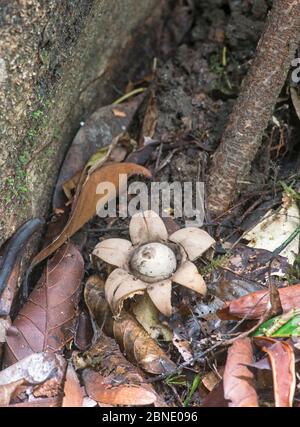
x=253 y=109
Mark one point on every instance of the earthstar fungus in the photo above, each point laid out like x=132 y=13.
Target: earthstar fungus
x=152 y=261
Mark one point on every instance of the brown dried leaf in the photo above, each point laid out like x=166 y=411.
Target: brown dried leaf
x=87 y=201
x=215 y=398
x=282 y=358
x=139 y=347
x=47 y=320
x=238 y=378
x=136 y=343
x=116 y=371
x=73 y=393
x=98 y=131
x=255 y=304
x=101 y=389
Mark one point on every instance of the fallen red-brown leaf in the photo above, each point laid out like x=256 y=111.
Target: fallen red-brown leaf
x=238 y=379
x=254 y=305
x=282 y=358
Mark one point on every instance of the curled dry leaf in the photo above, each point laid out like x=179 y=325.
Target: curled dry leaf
x=98 y=131
x=118 y=375
x=282 y=358
x=47 y=320
x=89 y=199
x=139 y=347
x=254 y=305
x=73 y=393
x=238 y=379
x=136 y=343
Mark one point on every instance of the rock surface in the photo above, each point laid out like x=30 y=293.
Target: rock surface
x=59 y=60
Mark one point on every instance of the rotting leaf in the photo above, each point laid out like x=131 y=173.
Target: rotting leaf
x=238 y=379
x=88 y=201
x=47 y=320
x=282 y=359
x=254 y=305
x=98 y=131
x=136 y=343
x=116 y=371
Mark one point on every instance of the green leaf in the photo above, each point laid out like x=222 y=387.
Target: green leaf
x=96 y=157
x=286 y=329
x=192 y=390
